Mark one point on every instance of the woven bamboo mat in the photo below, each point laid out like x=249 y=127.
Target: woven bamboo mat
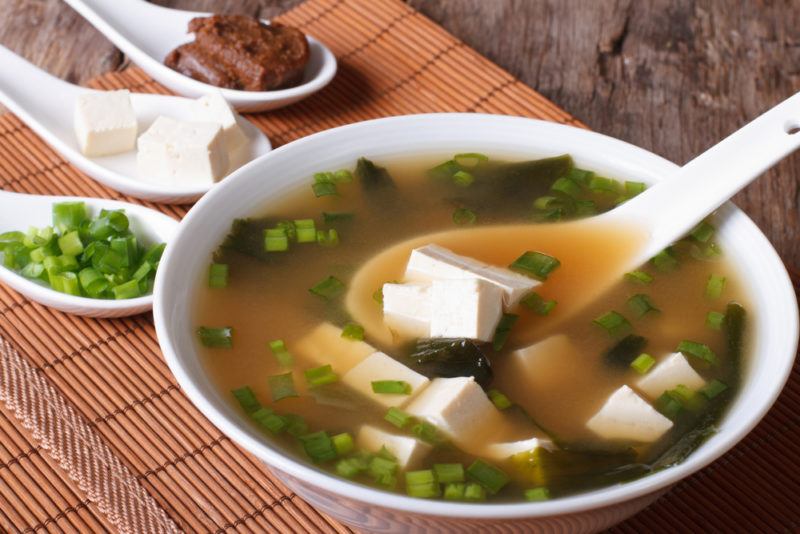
x=96 y=435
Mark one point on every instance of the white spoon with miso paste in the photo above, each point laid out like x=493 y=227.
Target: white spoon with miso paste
x=610 y=244
x=147 y=33
x=46 y=104
x=18 y=212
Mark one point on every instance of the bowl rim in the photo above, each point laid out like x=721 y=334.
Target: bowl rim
x=581 y=502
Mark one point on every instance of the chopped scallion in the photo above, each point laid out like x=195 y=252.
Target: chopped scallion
x=276 y=240
x=306 y=230
x=714 y=320
x=284 y=357
x=643 y=363
x=391 y=387
x=329 y=238
x=464 y=216
x=343 y=443
x=463 y=178
x=247 y=399
x=698 y=350
x=328 y=288
x=535 y=264
x=634 y=188
x=353 y=331
x=470 y=159
x=397 y=417
x=503 y=330
x=614 y=323
x=474 y=492
x=281 y=386
x=639 y=277
x=537 y=494
x=664 y=261
x=537 y=304
x=446 y=473
x=319 y=446
x=454 y=491
x=703 y=232
x=713 y=388
x=324 y=189
x=320 y=376
x=566 y=186
x=598 y=184
x=217 y=275
x=426 y=432
x=220 y=338
x=715 y=286
x=499 y=399
x=490 y=477
x=270 y=420
x=668 y=406
x=641 y=305
x=422 y=484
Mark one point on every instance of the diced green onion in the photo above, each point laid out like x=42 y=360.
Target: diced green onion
x=598 y=184
x=331 y=217
x=350 y=467
x=329 y=238
x=297 y=425
x=455 y=491
x=634 y=188
x=668 y=406
x=276 y=240
x=585 y=208
x=284 y=357
x=328 y=288
x=68 y=216
x=714 y=320
x=698 y=350
x=537 y=494
x=639 y=277
x=383 y=470
x=397 y=417
x=319 y=446
x=426 y=432
x=580 y=176
x=221 y=338
x=281 y=386
x=353 y=331
x=153 y=254
x=470 y=159
x=474 y=492
x=688 y=398
x=643 y=363
x=535 y=264
x=217 y=275
x=715 y=285
x=664 y=261
x=709 y=251
x=499 y=399
x=446 y=473
x=93 y=282
x=270 y=420
x=289 y=228
x=70 y=243
x=463 y=178
x=614 y=323
x=503 y=330
x=422 y=484
x=306 y=230
x=537 y=304
x=342 y=176
x=641 y=305
x=128 y=290
x=713 y=388
x=324 y=189
x=702 y=232
x=464 y=216
x=391 y=387
x=566 y=186
x=33 y=270
x=490 y=477
x=320 y=376
x=445 y=170
x=343 y=443
x=247 y=399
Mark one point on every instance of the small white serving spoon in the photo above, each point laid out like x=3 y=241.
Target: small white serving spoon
x=19 y=212
x=147 y=33
x=46 y=104
x=658 y=217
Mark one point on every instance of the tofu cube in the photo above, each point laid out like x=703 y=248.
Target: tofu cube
x=669 y=373
x=214 y=108
x=105 y=123
x=325 y=345
x=469 y=308
x=530 y=360
x=178 y=152
x=407 y=309
x=503 y=451
x=433 y=262
x=379 y=366
x=409 y=451
x=628 y=417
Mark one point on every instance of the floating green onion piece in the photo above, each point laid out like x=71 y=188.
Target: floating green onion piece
x=540 y=306
x=281 y=386
x=566 y=186
x=383 y=470
x=350 y=467
x=422 y=484
x=342 y=176
x=703 y=232
x=499 y=399
x=715 y=285
x=455 y=491
x=320 y=376
x=713 y=388
x=668 y=406
x=217 y=275
x=464 y=216
x=503 y=330
x=446 y=473
x=329 y=238
x=470 y=159
x=599 y=184
x=580 y=176
x=284 y=357
x=322 y=177
x=714 y=320
x=426 y=432
x=391 y=387
x=490 y=477
x=707 y=252
x=639 y=277
x=641 y=305
x=463 y=178
x=332 y=217
x=219 y=338
x=70 y=243
x=474 y=492
x=614 y=323
x=247 y=399
x=297 y=425
x=324 y=189
x=289 y=229
x=535 y=264
x=664 y=261
x=353 y=331
x=397 y=417
x=585 y=208
x=425 y=476
x=128 y=290
x=276 y=240
x=445 y=170
x=68 y=216
x=688 y=398
x=270 y=420
x=698 y=350
x=319 y=446
x=305 y=231
x=537 y=494
x=343 y=443
x=328 y=288
x=643 y=363
x=634 y=188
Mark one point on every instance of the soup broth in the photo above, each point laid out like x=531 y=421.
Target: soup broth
x=688 y=294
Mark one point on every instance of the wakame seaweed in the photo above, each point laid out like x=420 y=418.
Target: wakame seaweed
x=625 y=351
x=373 y=177
x=448 y=357
x=733 y=327
x=247 y=237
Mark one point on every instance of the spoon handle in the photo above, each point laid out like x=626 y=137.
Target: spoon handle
x=673 y=207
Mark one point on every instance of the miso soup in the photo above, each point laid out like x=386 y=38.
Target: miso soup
x=436 y=329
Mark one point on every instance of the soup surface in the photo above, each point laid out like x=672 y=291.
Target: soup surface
x=258 y=315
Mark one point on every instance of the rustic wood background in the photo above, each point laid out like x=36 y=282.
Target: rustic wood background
x=670 y=76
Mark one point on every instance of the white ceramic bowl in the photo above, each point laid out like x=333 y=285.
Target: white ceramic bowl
x=775 y=324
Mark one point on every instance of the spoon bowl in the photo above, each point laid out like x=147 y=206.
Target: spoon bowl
x=45 y=103
x=147 y=33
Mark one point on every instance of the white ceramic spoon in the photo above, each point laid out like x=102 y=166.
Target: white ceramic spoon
x=659 y=216
x=147 y=33
x=46 y=104
x=19 y=212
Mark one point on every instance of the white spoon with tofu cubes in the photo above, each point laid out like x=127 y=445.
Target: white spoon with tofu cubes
x=185 y=146
x=82 y=255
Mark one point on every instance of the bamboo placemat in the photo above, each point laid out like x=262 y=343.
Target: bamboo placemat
x=96 y=435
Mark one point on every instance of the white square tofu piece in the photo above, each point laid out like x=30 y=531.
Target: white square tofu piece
x=379 y=366
x=409 y=451
x=177 y=152
x=214 y=108
x=628 y=417
x=325 y=345
x=433 y=262
x=672 y=371
x=105 y=123
x=469 y=308
x=407 y=309
x=529 y=360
